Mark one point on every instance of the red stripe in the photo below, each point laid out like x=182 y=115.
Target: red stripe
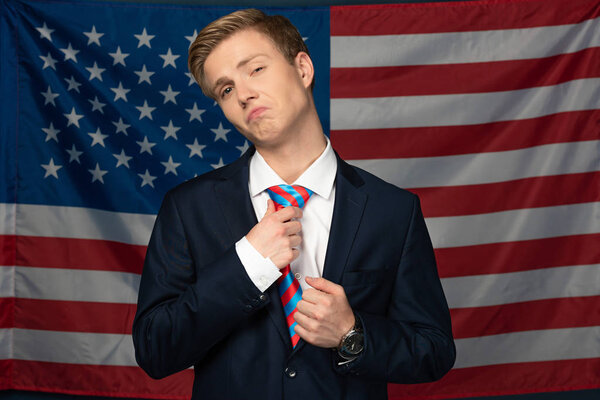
x=526 y=316
x=290 y=318
x=543 y=191
x=302 y=191
x=6 y=374
x=463 y=78
x=461 y=16
x=7 y=312
x=295 y=339
x=50 y=252
x=98 y=380
x=7 y=249
x=506 y=379
x=362 y=144
x=285 y=195
x=523 y=255
x=290 y=292
x=74 y=316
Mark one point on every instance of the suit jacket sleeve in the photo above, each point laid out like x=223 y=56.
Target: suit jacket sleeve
x=413 y=343
x=186 y=307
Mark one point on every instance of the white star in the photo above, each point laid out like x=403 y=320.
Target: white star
x=170 y=166
x=195 y=113
x=45 y=32
x=192 y=38
x=49 y=62
x=97 y=174
x=74 y=154
x=220 y=133
x=121 y=126
x=93 y=36
x=70 y=53
x=144 y=75
x=51 y=169
x=169 y=58
x=170 y=130
x=120 y=92
x=195 y=149
x=144 y=39
x=118 y=57
x=243 y=148
x=51 y=133
x=219 y=165
x=73 y=84
x=122 y=159
x=97 y=138
x=97 y=105
x=169 y=95
x=49 y=96
x=95 y=72
x=73 y=118
x=192 y=80
x=147 y=179
x=146 y=146
x=145 y=110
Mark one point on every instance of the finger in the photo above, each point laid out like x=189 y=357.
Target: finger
x=323 y=285
x=313 y=296
x=306 y=308
x=292 y=227
x=287 y=213
x=306 y=322
x=295 y=240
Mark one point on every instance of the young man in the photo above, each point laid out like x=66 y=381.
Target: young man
x=360 y=303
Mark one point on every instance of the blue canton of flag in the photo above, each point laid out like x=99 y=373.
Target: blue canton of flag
x=110 y=116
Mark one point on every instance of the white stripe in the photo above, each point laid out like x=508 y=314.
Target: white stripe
x=7 y=281
x=515 y=287
x=464 y=109
x=83 y=223
x=7 y=218
x=530 y=346
x=6 y=347
x=72 y=347
x=76 y=285
x=478 y=168
x=463 y=47
x=515 y=225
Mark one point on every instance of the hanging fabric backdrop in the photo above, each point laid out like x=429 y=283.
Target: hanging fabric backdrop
x=488 y=110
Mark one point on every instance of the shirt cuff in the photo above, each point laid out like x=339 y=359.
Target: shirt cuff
x=262 y=271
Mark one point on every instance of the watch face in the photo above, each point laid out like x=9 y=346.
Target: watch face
x=353 y=344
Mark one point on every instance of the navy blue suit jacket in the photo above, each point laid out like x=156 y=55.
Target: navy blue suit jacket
x=198 y=307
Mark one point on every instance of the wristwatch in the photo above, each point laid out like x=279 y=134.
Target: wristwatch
x=352 y=343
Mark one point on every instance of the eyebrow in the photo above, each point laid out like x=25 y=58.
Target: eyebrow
x=222 y=80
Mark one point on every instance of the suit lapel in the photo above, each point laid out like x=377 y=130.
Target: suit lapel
x=347 y=213
x=238 y=213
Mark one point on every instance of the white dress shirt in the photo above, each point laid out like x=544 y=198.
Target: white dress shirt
x=316 y=219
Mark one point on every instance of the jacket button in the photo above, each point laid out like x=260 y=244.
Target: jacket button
x=290 y=372
x=262 y=297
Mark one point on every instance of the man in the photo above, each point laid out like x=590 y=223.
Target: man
x=364 y=303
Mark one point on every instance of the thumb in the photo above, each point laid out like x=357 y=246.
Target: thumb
x=270 y=207
x=321 y=284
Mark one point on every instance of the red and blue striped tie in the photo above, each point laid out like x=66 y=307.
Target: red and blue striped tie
x=289 y=287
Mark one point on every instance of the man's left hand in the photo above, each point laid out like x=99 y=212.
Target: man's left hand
x=324 y=315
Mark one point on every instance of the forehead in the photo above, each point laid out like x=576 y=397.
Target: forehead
x=238 y=47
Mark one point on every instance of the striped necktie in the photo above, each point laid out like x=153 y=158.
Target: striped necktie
x=289 y=287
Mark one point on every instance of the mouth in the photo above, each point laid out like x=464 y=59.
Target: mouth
x=255 y=113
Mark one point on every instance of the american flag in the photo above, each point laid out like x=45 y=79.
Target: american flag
x=488 y=110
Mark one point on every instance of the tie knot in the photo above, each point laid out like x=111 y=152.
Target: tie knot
x=289 y=195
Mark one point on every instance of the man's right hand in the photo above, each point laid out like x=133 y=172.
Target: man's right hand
x=276 y=236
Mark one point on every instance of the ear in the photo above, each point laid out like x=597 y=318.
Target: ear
x=305 y=68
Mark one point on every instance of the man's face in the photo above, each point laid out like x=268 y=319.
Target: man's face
x=261 y=93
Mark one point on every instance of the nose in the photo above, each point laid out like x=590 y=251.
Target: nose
x=245 y=93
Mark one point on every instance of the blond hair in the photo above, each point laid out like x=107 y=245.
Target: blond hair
x=278 y=28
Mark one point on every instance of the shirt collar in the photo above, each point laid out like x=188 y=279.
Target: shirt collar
x=318 y=177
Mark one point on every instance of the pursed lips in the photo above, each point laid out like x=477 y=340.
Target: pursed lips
x=255 y=113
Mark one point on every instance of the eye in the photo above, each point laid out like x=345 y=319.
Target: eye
x=259 y=69
x=226 y=91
